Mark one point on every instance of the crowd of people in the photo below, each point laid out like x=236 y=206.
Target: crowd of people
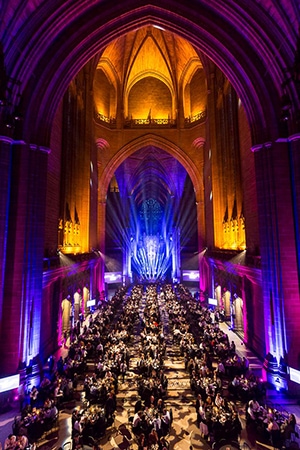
x=40 y=407
x=220 y=378
x=149 y=316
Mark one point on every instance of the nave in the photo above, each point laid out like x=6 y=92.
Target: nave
x=164 y=327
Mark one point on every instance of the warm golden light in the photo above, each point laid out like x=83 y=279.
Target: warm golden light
x=234 y=236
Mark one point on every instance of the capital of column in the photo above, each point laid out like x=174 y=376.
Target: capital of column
x=11 y=141
x=6 y=139
x=292 y=138
x=259 y=147
x=40 y=148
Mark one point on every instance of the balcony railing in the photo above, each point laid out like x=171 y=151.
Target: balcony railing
x=150 y=123
x=110 y=122
x=194 y=120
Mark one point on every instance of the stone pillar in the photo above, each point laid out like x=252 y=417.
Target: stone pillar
x=5 y=170
x=127 y=271
x=23 y=255
x=278 y=188
x=201 y=245
x=101 y=243
x=176 y=255
x=199 y=144
x=177 y=267
x=245 y=323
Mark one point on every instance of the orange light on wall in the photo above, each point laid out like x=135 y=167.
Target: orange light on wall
x=234 y=234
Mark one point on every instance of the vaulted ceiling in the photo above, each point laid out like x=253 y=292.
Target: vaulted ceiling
x=149 y=51
x=47 y=43
x=151 y=173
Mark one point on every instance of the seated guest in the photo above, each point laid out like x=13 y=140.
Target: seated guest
x=218 y=400
x=221 y=369
x=33 y=396
x=165 y=422
x=145 y=424
x=163 y=444
x=153 y=438
x=48 y=403
x=10 y=442
x=234 y=386
x=160 y=405
x=136 y=423
x=253 y=409
x=77 y=426
x=57 y=393
x=138 y=406
x=244 y=365
x=77 y=442
x=235 y=428
x=142 y=442
x=157 y=425
x=275 y=434
x=51 y=412
x=208 y=402
x=289 y=427
x=22 y=441
x=232 y=348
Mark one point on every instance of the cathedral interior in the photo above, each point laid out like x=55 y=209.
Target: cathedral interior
x=144 y=142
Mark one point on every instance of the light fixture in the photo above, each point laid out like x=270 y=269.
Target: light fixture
x=285 y=115
x=17 y=115
x=286 y=105
x=9 y=123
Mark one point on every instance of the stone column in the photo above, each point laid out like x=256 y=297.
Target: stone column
x=5 y=170
x=101 y=243
x=278 y=188
x=23 y=255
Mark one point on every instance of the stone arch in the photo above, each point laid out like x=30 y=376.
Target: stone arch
x=49 y=64
x=173 y=150
x=155 y=141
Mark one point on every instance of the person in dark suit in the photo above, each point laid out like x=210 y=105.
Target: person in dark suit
x=110 y=405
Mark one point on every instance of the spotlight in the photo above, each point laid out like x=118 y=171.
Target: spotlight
x=285 y=114
x=17 y=115
x=9 y=123
x=286 y=105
